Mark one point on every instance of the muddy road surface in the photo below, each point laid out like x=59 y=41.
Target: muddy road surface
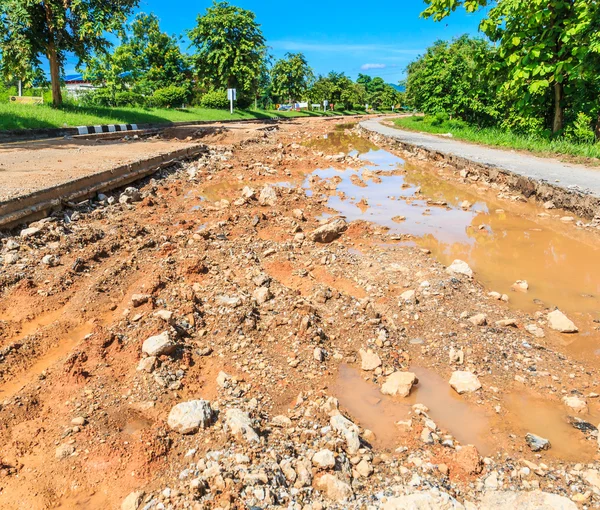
x=301 y=319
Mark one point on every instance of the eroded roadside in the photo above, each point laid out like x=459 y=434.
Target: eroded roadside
x=291 y=336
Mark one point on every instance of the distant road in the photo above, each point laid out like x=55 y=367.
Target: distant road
x=541 y=169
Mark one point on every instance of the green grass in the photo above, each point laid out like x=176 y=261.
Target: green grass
x=501 y=138
x=22 y=116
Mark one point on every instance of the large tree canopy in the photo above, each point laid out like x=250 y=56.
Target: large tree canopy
x=230 y=47
x=33 y=29
x=291 y=77
x=545 y=44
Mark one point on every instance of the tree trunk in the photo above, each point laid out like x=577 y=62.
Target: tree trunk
x=54 y=75
x=559 y=114
x=597 y=130
x=53 y=58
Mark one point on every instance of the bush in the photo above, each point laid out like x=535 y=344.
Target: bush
x=581 y=130
x=128 y=98
x=215 y=99
x=98 y=97
x=170 y=97
x=524 y=125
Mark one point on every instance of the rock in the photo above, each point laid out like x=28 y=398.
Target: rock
x=478 y=320
x=464 y=382
x=165 y=315
x=334 y=488
x=319 y=354
x=348 y=430
x=535 y=330
x=29 y=232
x=147 y=364
x=364 y=468
x=507 y=323
x=51 y=260
x=189 y=417
x=239 y=423
x=130 y=195
x=298 y=214
x=139 y=299
x=262 y=295
x=303 y=473
x=459 y=267
x=520 y=286
x=232 y=301
x=11 y=258
x=64 y=451
x=592 y=476
x=467 y=458
x=248 y=192
x=537 y=443
x=132 y=501
x=426 y=500
x=558 y=321
x=281 y=421
x=324 y=459
x=329 y=232
x=158 y=345
x=12 y=245
x=576 y=404
x=465 y=205
x=408 y=297
x=534 y=500
x=399 y=384
x=369 y=360
x=80 y=421
x=267 y=196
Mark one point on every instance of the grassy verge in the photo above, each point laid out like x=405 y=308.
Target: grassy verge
x=23 y=116
x=500 y=138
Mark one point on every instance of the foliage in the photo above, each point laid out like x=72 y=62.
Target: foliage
x=230 y=47
x=146 y=60
x=546 y=46
x=32 y=29
x=216 y=99
x=581 y=130
x=171 y=96
x=378 y=93
x=291 y=77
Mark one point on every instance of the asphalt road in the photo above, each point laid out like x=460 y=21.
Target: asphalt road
x=542 y=169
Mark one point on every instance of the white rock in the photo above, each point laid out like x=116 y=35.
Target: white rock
x=535 y=500
x=51 y=260
x=248 y=192
x=560 y=322
x=29 y=232
x=364 y=468
x=459 y=267
x=165 y=315
x=189 y=417
x=408 y=297
x=464 y=382
x=158 y=345
x=399 y=384
x=576 y=404
x=324 y=459
x=334 y=488
x=478 y=320
x=63 y=451
x=425 y=500
x=132 y=501
x=520 y=286
x=535 y=330
x=262 y=295
x=267 y=196
x=139 y=299
x=239 y=423
x=146 y=364
x=369 y=360
x=348 y=430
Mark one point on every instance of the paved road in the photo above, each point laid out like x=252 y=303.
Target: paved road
x=550 y=170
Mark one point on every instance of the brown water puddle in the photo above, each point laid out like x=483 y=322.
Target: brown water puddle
x=67 y=342
x=527 y=413
x=379 y=413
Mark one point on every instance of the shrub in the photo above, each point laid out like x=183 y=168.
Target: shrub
x=170 y=97
x=581 y=130
x=215 y=99
x=128 y=98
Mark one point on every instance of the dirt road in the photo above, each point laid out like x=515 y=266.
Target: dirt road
x=282 y=324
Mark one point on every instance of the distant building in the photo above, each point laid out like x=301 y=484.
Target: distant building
x=76 y=86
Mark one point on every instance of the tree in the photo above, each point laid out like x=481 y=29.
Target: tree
x=291 y=77
x=32 y=29
x=230 y=47
x=147 y=60
x=545 y=44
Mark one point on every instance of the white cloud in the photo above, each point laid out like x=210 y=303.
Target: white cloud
x=366 y=67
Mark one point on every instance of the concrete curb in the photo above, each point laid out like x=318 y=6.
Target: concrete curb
x=583 y=204
x=20 y=135
x=41 y=203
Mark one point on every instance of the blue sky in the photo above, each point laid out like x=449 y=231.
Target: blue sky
x=378 y=38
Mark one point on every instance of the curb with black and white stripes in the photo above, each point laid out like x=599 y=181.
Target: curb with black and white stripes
x=107 y=128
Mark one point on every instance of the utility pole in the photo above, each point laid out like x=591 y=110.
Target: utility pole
x=20 y=88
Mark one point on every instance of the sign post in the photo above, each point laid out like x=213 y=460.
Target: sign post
x=232 y=96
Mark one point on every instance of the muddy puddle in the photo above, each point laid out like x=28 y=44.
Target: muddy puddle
x=379 y=413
